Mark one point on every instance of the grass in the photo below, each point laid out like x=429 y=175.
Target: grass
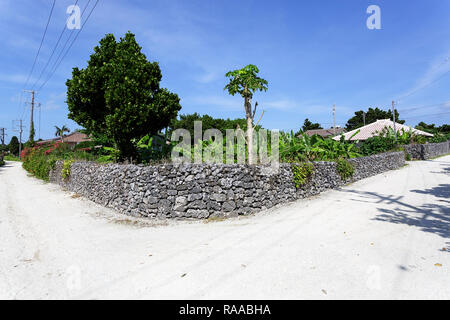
x=442 y=155
x=11 y=158
x=214 y=219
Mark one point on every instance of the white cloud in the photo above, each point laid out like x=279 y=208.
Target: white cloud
x=437 y=69
x=54 y=102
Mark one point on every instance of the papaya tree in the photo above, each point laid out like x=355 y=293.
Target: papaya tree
x=246 y=82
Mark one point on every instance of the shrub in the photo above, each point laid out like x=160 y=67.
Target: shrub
x=37 y=163
x=345 y=169
x=438 y=138
x=40 y=159
x=11 y=157
x=302 y=173
x=65 y=172
x=407 y=157
x=295 y=148
x=376 y=145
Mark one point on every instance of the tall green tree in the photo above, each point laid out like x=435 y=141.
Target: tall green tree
x=308 y=125
x=372 y=115
x=60 y=131
x=14 y=146
x=186 y=121
x=246 y=82
x=118 y=94
x=432 y=128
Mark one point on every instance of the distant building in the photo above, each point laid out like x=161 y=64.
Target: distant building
x=72 y=139
x=374 y=129
x=325 y=132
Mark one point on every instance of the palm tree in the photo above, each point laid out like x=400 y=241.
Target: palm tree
x=60 y=131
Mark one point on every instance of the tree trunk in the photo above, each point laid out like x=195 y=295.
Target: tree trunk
x=248 y=112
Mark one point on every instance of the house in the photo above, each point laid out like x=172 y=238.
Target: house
x=72 y=139
x=375 y=128
x=325 y=133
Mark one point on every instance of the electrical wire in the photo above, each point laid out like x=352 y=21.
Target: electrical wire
x=58 y=60
x=53 y=52
x=446 y=103
x=428 y=84
x=40 y=46
x=68 y=49
x=426 y=115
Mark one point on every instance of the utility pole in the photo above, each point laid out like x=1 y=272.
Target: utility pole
x=2 y=135
x=393 y=116
x=32 y=131
x=39 y=106
x=334 y=119
x=364 y=118
x=20 y=136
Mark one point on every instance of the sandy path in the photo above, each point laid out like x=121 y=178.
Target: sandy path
x=383 y=237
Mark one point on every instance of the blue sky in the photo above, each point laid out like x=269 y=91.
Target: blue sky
x=314 y=54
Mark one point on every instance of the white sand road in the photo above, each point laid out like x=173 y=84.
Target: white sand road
x=384 y=237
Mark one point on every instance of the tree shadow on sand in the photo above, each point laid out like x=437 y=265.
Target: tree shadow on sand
x=432 y=218
x=2 y=168
x=445 y=168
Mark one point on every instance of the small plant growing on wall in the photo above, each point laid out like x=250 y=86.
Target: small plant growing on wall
x=302 y=173
x=345 y=169
x=407 y=157
x=66 y=169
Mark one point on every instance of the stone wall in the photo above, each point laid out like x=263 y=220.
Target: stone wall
x=427 y=151
x=201 y=191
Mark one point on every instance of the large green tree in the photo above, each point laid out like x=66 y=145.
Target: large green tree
x=372 y=115
x=246 y=82
x=118 y=94
x=308 y=125
x=14 y=146
x=432 y=128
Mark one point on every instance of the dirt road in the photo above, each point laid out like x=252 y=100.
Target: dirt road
x=383 y=237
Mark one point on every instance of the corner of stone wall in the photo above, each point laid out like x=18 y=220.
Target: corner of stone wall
x=199 y=191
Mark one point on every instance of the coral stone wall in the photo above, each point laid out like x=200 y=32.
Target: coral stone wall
x=204 y=190
x=427 y=151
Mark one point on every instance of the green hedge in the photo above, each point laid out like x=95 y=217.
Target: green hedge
x=39 y=164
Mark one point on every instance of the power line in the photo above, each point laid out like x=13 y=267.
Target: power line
x=428 y=84
x=57 y=61
x=68 y=49
x=20 y=104
x=426 y=115
x=40 y=46
x=35 y=59
x=65 y=45
x=53 y=52
x=427 y=106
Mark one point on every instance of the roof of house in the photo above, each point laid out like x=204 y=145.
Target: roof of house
x=324 y=132
x=375 y=128
x=75 y=138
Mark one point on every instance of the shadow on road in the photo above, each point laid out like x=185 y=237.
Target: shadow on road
x=433 y=218
x=2 y=168
x=445 y=169
x=441 y=191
